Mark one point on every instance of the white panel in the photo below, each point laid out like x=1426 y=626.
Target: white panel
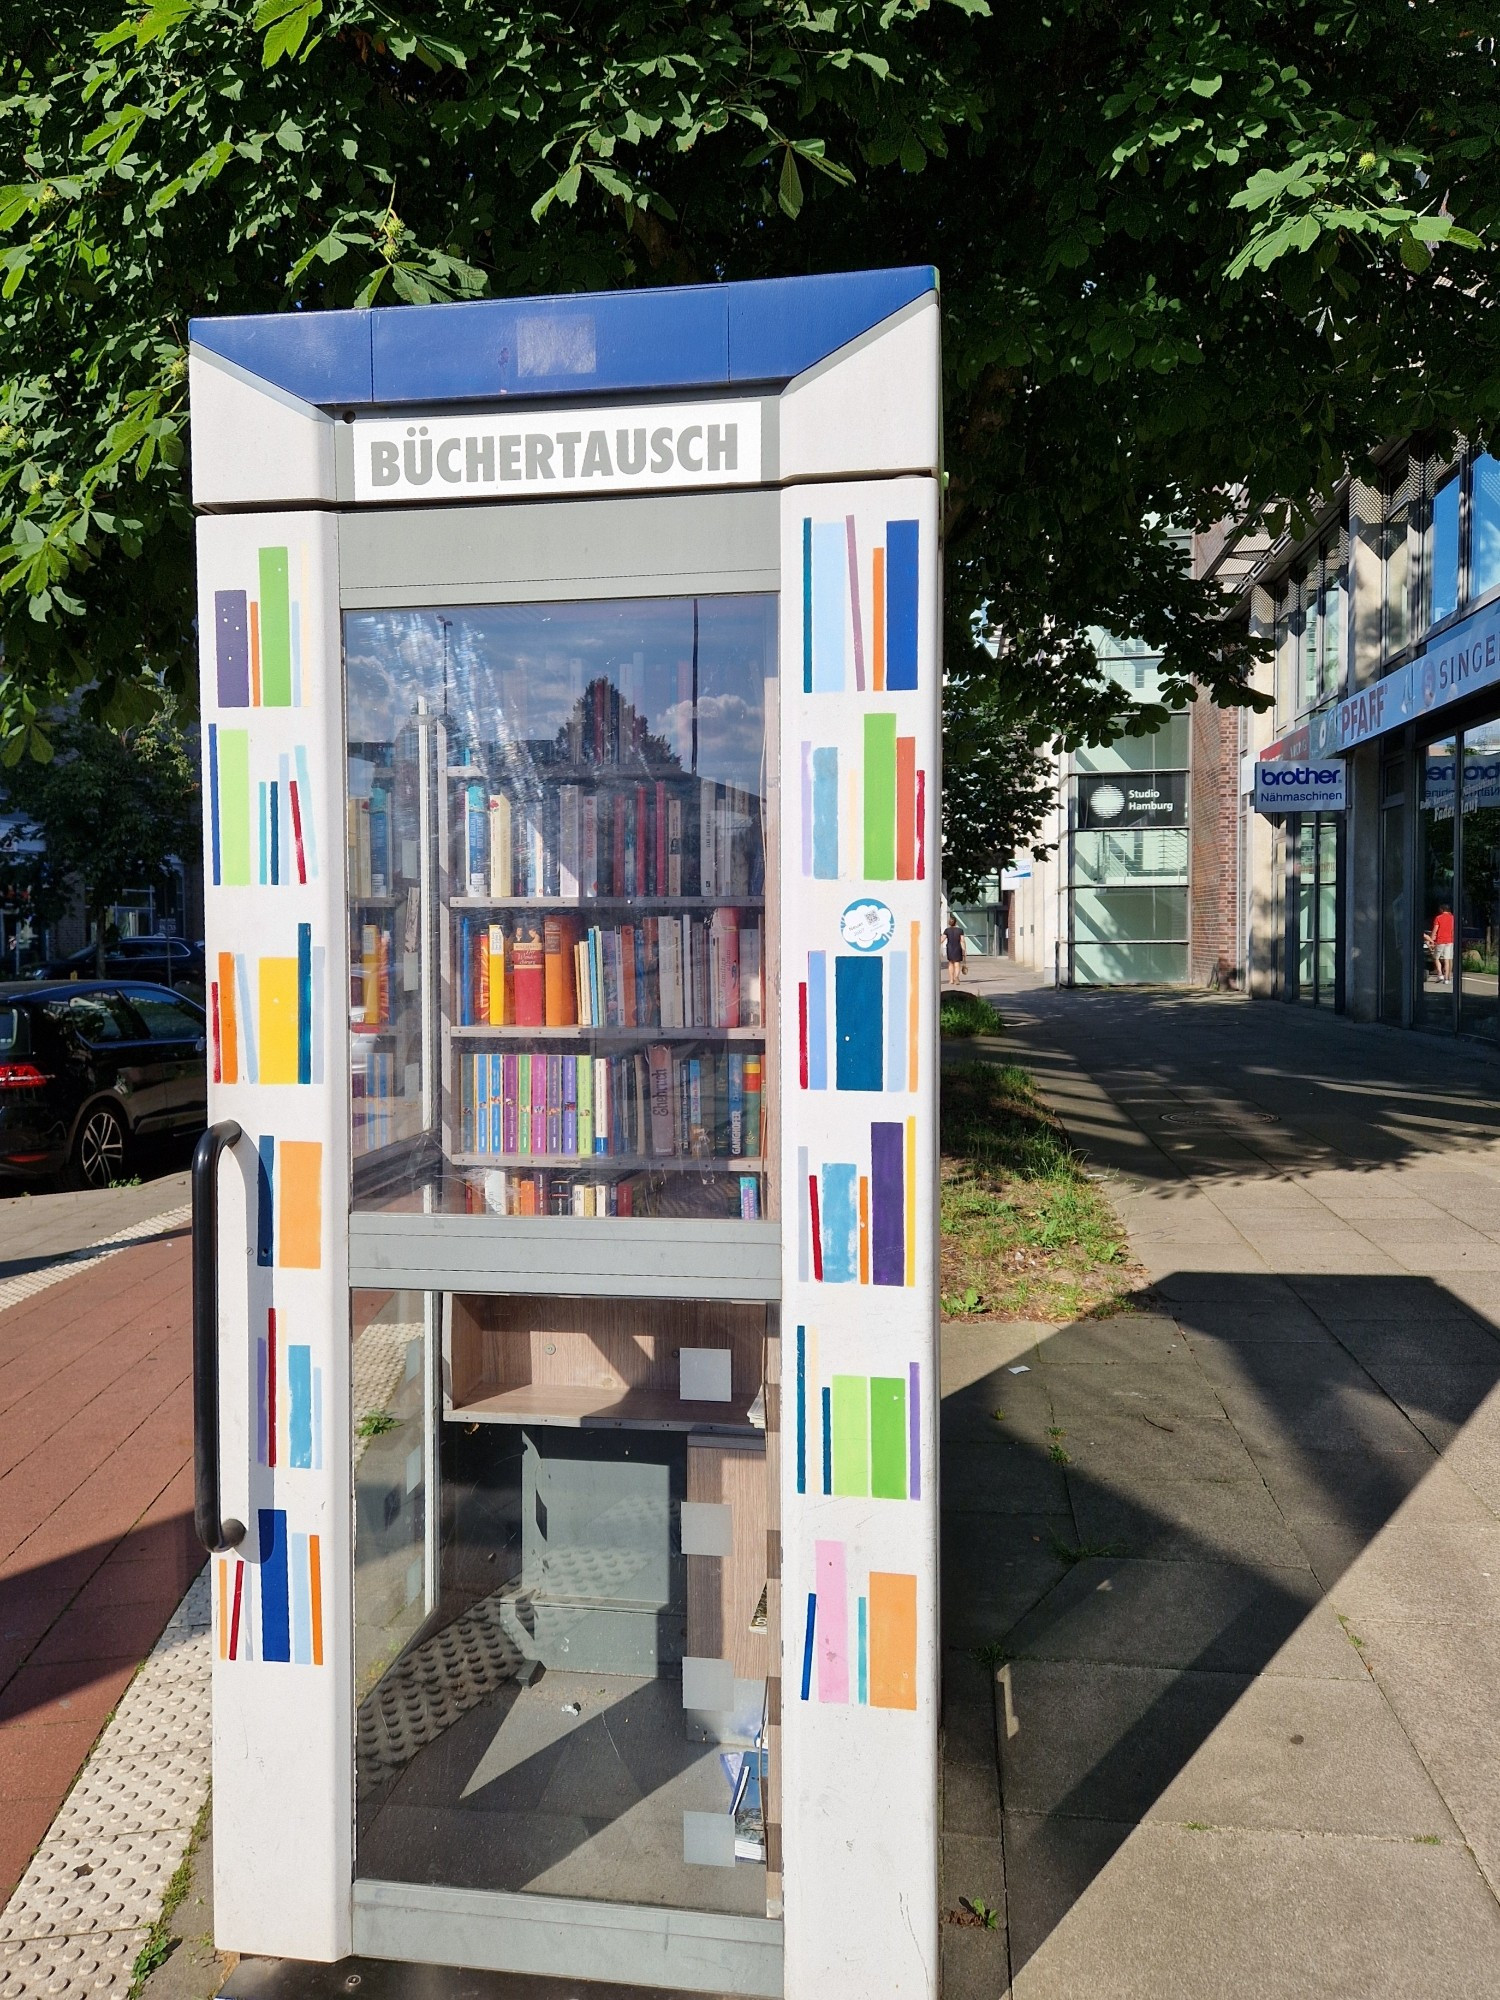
x=707 y=1528
x=859 y=924
x=272 y=705
x=875 y=406
x=254 y=445
x=705 y=1375
x=707 y=1684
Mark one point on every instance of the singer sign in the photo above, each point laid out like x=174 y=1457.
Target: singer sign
x=1296 y=788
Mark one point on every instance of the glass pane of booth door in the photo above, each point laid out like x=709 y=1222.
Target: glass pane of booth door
x=578 y=1706
x=1436 y=888
x=1479 y=956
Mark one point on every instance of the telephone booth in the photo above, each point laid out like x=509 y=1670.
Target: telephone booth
x=565 y=1235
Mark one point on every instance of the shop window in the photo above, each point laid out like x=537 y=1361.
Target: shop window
x=1484 y=527
x=1443 y=551
x=1435 y=884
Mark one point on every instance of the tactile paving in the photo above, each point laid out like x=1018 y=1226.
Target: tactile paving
x=79 y=1916
x=14 y=1290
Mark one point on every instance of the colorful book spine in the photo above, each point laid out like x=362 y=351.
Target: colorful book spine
x=476 y=839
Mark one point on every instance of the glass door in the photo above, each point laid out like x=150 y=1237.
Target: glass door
x=565 y=1494
x=1478 y=957
x=1436 y=888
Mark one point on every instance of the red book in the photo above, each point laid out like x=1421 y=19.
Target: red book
x=617 y=864
x=642 y=841
x=530 y=975
x=627 y=974
x=659 y=885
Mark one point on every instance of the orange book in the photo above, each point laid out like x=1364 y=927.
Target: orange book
x=559 y=972
x=495 y=997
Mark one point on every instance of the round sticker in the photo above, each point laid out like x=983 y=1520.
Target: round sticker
x=868 y=925
x=1106 y=802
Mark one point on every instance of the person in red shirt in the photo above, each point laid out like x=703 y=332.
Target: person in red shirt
x=1440 y=941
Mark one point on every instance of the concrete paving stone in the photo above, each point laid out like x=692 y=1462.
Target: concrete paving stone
x=968 y=1710
x=1168 y=1913
x=973 y=1349
x=1439 y=1398
x=1126 y=1339
x=1437 y=1260
x=1424 y=1567
x=1011 y=1478
x=1440 y=1682
x=1209 y=1616
x=1270 y=1751
x=1245 y=1290
x=65 y=1694
x=1413 y=1299
x=1173 y=1520
x=1460 y=1342
x=974 y=1961
x=968 y=1414
x=971 y=1801
x=1359 y=1491
x=982 y=1614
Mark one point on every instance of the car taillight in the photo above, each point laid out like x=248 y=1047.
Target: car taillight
x=21 y=1076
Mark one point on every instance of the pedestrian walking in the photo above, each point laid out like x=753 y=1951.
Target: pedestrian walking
x=953 y=950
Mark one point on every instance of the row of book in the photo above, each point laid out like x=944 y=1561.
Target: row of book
x=500 y=1191
x=700 y=971
x=654 y=1103
x=685 y=837
x=378 y=1105
x=370 y=994
x=371 y=852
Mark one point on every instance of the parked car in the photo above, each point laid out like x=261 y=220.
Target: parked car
x=88 y=1068
x=165 y=961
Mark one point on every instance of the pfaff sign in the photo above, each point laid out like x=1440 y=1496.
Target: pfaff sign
x=1296 y=788
x=518 y=453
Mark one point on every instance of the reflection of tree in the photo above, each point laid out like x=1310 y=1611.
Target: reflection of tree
x=639 y=747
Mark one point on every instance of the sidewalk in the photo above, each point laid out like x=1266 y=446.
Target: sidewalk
x=1223 y=1580
x=96 y=1543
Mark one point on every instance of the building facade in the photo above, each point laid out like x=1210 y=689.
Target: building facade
x=1385 y=630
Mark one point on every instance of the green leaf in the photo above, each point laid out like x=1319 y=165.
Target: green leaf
x=789 y=187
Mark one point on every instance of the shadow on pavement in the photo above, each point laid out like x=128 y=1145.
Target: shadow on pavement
x=1143 y=1520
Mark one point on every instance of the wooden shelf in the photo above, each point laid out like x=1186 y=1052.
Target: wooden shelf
x=634 y=1409
x=622 y=1163
x=582 y=905
x=483 y=1032
x=376 y=902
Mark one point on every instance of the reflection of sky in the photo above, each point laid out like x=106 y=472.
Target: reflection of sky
x=514 y=673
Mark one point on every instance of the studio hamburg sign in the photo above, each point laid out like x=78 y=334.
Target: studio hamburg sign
x=1125 y=803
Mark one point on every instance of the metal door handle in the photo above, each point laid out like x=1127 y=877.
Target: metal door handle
x=215 y=1533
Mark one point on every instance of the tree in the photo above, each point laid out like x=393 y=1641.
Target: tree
x=1194 y=253
x=112 y=808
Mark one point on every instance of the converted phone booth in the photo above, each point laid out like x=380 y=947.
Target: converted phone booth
x=566 y=1234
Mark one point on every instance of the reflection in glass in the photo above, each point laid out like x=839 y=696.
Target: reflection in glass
x=1328 y=900
x=1396 y=571
x=1484 y=526
x=557 y=852
x=1332 y=672
x=1393 y=911
x=1435 y=825
x=1308 y=630
x=1307 y=909
x=1479 y=953
x=1442 y=591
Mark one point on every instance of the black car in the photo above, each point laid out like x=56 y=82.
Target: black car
x=88 y=1068
x=165 y=961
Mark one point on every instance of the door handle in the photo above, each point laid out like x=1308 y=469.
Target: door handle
x=215 y=1533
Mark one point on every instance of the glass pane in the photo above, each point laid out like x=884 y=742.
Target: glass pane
x=1150 y=853
x=1328 y=896
x=1442 y=594
x=1333 y=633
x=1288 y=633
x=1130 y=964
x=1307 y=910
x=166 y=1019
x=1144 y=915
x=1166 y=750
x=1393 y=909
x=575 y=1704
x=1308 y=592
x=558 y=848
x=1484 y=529
x=1479 y=1012
x=1435 y=883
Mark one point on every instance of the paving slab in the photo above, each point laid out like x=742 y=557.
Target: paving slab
x=1171 y=1913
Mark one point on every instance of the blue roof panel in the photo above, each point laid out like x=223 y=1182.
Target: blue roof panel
x=582 y=343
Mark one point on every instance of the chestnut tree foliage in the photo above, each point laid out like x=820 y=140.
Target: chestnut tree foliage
x=1194 y=258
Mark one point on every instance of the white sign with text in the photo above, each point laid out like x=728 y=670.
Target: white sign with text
x=1296 y=788
x=517 y=453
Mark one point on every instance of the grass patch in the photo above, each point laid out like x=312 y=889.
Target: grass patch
x=1067 y=1552
x=964 y=1014
x=1024 y=1228
x=375 y=1423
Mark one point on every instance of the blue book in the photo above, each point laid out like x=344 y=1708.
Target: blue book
x=497 y=1105
x=478 y=840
